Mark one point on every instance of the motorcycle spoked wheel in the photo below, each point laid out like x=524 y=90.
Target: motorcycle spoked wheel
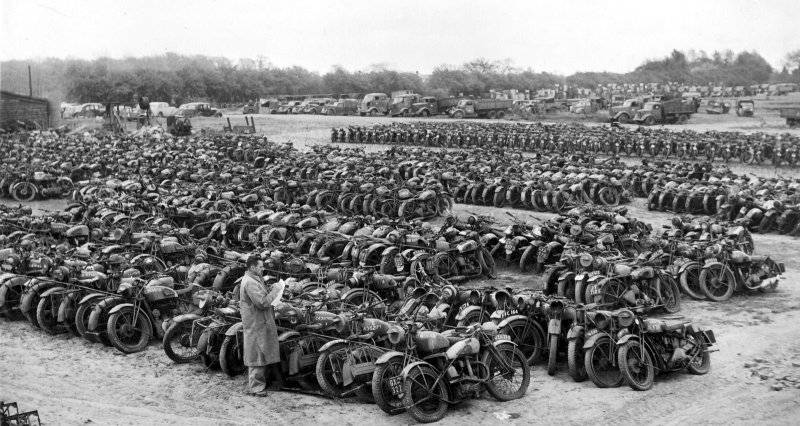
x=231 y=356
x=552 y=354
x=329 y=370
x=670 y=294
x=424 y=395
x=575 y=365
x=47 y=314
x=700 y=362
x=128 y=331
x=387 y=388
x=474 y=317
x=690 y=282
x=717 y=282
x=597 y=360
x=177 y=343
x=23 y=191
x=636 y=366
x=529 y=338
x=507 y=385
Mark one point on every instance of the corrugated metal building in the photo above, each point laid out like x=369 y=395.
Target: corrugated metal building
x=20 y=107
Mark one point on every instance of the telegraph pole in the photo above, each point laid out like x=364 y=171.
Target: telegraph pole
x=30 y=83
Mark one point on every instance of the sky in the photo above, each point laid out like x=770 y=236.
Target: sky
x=410 y=35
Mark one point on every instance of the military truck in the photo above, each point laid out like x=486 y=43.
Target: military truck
x=625 y=112
x=374 y=104
x=792 y=116
x=342 y=107
x=665 y=112
x=481 y=108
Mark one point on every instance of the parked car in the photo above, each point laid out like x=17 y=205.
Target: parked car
x=161 y=109
x=194 y=109
x=342 y=107
x=88 y=110
x=745 y=108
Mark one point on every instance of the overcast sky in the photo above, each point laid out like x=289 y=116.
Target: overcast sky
x=409 y=35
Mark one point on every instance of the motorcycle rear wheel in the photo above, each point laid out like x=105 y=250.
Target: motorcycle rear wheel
x=575 y=359
x=701 y=364
x=690 y=282
x=231 y=357
x=636 y=366
x=384 y=378
x=47 y=316
x=329 y=365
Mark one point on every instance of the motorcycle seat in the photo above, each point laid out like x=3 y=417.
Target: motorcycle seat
x=658 y=326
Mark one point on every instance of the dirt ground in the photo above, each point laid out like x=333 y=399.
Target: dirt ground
x=755 y=378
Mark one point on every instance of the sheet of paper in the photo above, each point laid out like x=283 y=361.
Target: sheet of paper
x=282 y=285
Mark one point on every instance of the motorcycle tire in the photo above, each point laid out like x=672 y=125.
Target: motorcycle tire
x=325 y=379
x=636 y=366
x=23 y=191
x=717 y=282
x=552 y=355
x=592 y=361
x=701 y=363
x=47 y=317
x=231 y=357
x=82 y=314
x=528 y=336
x=180 y=332
x=690 y=282
x=575 y=359
x=129 y=340
x=425 y=405
x=385 y=377
x=514 y=357
x=670 y=294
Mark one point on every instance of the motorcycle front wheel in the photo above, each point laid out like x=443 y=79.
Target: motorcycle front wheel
x=231 y=357
x=387 y=386
x=636 y=366
x=507 y=385
x=425 y=397
x=599 y=365
x=177 y=343
x=127 y=331
x=701 y=361
x=717 y=282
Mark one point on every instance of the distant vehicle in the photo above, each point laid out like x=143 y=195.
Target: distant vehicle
x=341 y=107
x=625 y=112
x=195 y=109
x=286 y=108
x=745 y=107
x=481 y=108
x=792 y=116
x=161 y=109
x=404 y=104
x=586 y=106
x=666 y=111
x=427 y=106
x=374 y=104
x=88 y=110
x=717 y=107
x=266 y=106
x=781 y=89
x=315 y=106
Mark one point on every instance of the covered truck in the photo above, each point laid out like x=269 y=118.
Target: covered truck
x=792 y=116
x=481 y=108
x=374 y=104
x=665 y=112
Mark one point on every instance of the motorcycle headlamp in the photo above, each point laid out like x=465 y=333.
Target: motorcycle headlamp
x=625 y=318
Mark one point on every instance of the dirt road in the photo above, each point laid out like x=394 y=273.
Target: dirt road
x=755 y=377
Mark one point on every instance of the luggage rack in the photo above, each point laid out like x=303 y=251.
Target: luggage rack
x=10 y=416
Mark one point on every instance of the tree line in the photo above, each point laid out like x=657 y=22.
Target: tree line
x=181 y=78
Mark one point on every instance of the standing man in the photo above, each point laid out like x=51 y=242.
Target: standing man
x=260 y=333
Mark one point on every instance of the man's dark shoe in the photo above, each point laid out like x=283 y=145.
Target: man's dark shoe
x=258 y=394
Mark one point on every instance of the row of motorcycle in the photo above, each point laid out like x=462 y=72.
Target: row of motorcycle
x=711 y=146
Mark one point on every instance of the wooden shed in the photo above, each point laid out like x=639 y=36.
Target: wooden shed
x=23 y=108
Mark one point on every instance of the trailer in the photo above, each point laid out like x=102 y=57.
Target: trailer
x=481 y=108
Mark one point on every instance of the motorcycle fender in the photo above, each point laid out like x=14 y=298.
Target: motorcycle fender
x=710 y=264
x=185 y=317
x=120 y=306
x=91 y=296
x=462 y=314
x=575 y=332
x=391 y=250
x=554 y=326
x=593 y=339
x=232 y=330
x=331 y=343
x=497 y=342
x=283 y=336
x=51 y=291
x=626 y=338
x=411 y=366
x=383 y=359
x=141 y=312
x=27 y=297
x=511 y=319
x=686 y=265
